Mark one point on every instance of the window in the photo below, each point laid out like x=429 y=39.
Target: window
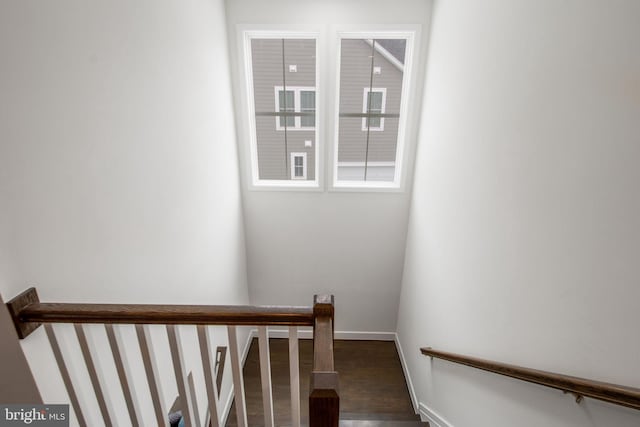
x=298 y=100
x=373 y=103
x=285 y=104
x=372 y=96
x=308 y=108
x=299 y=166
x=367 y=144
x=282 y=86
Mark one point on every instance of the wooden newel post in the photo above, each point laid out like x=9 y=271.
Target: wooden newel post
x=324 y=400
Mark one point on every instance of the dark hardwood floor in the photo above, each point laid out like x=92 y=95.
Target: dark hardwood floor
x=372 y=384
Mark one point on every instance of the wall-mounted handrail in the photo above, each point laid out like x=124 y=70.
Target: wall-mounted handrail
x=580 y=387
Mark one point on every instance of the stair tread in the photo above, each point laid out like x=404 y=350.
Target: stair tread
x=388 y=416
x=382 y=423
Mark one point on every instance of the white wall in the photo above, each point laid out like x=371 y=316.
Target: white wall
x=302 y=243
x=524 y=230
x=17 y=385
x=118 y=156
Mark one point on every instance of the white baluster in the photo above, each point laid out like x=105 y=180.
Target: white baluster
x=124 y=373
x=66 y=378
x=181 y=376
x=208 y=367
x=103 y=399
x=153 y=374
x=194 y=400
x=294 y=376
x=238 y=381
x=265 y=376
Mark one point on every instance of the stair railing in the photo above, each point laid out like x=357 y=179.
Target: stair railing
x=579 y=387
x=29 y=313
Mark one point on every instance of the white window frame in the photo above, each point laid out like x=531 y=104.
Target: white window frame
x=293 y=166
x=246 y=34
x=401 y=162
x=365 y=107
x=297 y=106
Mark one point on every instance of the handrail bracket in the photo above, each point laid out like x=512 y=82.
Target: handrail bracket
x=578 y=396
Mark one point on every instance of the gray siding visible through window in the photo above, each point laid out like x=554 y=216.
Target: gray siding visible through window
x=368 y=137
x=284 y=122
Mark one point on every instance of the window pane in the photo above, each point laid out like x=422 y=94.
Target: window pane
x=267 y=65
x=374 y=105
x=286 y=104
x=375 y=101
x=284 y=79
x=352 y=149
x=371 y=79
x=308 y=105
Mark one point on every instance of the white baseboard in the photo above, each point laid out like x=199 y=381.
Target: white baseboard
x=307 y=334
x=245 y=352
x=407 y=377
x=435 y=419
x=365 y=336
x=303 y=333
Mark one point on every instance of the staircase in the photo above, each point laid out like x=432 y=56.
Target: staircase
x=373 y=390
x=284 y=382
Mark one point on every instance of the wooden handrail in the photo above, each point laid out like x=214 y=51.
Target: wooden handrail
x=324 y=399
x=28 y=312
x=580 y=387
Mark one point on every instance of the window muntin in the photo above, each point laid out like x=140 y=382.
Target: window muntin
x=369 y=146
x=282 y=89
x=298 y=165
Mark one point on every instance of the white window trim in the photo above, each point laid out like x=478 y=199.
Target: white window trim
x=297 y=106
x=304 y=166
x=411 y=34
x=365 y=91
x=245 y=34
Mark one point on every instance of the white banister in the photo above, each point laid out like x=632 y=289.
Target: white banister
x=208 y=368
x=97 y=378
x=124 y=373
x=66 y=378
x=94 y=376
x=294 y=375
x=153 y=374
x=238 y=381
x=181 y=377
x=194 y=400
x=265 y=376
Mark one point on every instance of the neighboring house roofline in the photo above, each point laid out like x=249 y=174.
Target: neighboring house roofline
x=386 y=55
